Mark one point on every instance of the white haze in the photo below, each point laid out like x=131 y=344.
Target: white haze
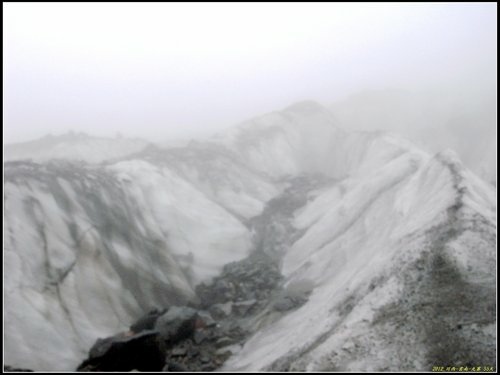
x=175 y=70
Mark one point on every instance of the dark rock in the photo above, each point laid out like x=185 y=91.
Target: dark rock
x=139 y=352
x=101 y=346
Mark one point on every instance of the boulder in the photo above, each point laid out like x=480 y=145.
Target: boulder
x=121 y=353
x=148 y=321
x=102 y=346
x=177 y=324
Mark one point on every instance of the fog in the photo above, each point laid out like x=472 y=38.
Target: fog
x=250 y=187
x=162 y=71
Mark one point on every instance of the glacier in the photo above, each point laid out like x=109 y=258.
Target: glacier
x=399 y=244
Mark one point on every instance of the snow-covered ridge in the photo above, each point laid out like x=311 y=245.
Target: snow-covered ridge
x=305 y=138
x=73 y=146
x=385 y=253
x=435 y=120
x=89 y=248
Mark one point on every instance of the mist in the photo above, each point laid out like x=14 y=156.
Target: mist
x=305 y=187
x=163 y=71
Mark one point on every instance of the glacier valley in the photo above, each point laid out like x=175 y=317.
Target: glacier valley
x=327 y=250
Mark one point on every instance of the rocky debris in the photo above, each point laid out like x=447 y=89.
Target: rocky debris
x=195 y=338
x=253 y=278
x=244 y=307
x=183 y=339
x=196 y=357
x=176 y=324
x=206 y=318
x=221 y=310
x=174 y=367
x=201 y=336
x=274 y=227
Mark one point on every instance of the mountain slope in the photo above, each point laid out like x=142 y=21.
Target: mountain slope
x=396 y=244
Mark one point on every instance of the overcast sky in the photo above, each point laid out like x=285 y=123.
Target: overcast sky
x=173 y=70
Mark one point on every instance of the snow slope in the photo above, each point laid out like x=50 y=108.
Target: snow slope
x=219 y=173
x=399 y=244
x=90 y=249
